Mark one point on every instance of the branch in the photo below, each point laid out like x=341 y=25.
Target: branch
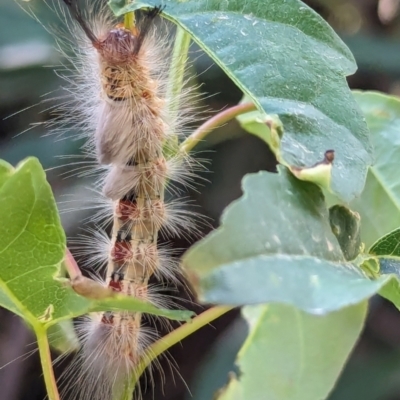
x=215 y=122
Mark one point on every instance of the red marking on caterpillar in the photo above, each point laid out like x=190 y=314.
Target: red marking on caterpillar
x=108 y=318
x=116 y=282
x=121 y=252
x=126 y=210
x=149 y=210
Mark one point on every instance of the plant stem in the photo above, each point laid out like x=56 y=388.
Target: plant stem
x=215 y=122
x=47 y=367
x=163 y=344
x=71 y=265
x=129 y=18
x=177 y=71
x=129 y=388
x=124 y=393
x=175 y=83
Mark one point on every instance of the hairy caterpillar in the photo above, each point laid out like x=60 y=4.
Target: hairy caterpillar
x=120 y=87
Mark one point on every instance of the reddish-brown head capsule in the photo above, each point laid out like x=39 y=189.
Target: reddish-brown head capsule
x=118 y=48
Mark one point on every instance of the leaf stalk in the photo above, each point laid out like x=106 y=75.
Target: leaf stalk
x=129 y=18
x=176 y=336
x=213 y=123
x=47 y=367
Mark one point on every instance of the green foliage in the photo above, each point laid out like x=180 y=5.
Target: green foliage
x=275 y=245
x=285 y=58
x=299 y=269
x=387 y=251
x=388 y=245
x=345 y=226
x=32 y=249
x=278 y=237
x=270 y=129
x=379 y=205
x=293 y=355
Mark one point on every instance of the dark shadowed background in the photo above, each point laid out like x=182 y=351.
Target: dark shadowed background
x=371 y=28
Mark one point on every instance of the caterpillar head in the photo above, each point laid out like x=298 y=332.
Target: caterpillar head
x=120 y=44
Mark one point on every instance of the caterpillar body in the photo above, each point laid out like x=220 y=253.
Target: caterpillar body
x=120 y=83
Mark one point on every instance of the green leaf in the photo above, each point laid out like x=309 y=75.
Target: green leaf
x=388 y=245
x=32 y=249
x=269 y=128
x=345 y=226
x=32 y=246
x=387 y=250
x=131 y=304
x=5 y=171
x=301 y=355
x=379 y=204
x=275 y=244
x=286 y=58
x=62 y=337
